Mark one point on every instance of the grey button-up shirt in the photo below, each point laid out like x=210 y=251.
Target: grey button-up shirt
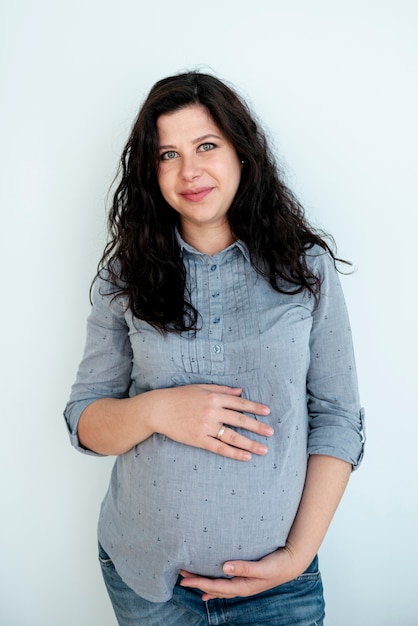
x=171 y=506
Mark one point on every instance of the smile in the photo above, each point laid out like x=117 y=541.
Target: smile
x=196 y=195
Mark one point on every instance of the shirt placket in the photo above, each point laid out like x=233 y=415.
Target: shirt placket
x=215 y=319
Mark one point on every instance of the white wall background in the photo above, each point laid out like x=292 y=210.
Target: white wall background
x=336 y=85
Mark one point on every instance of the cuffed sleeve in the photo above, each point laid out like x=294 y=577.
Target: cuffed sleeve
x=105 y=370
x=336 y=419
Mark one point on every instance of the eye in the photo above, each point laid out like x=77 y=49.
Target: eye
x=206 y=147
x=169 y=155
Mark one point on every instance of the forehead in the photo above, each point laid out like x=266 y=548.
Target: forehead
x=186 y=123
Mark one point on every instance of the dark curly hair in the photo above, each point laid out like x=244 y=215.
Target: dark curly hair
x=142 y=258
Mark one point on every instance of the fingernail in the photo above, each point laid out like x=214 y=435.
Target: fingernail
x=268 y=431
x=229 y=569
x=262 y=449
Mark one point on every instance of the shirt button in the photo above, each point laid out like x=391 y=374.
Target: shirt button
x=213 y=268
x=216 y=320
x=216 y=349
x=215 y=294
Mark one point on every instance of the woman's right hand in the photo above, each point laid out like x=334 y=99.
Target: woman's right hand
x=194 y=414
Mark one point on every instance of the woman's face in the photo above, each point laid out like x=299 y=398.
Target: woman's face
x=199 y=170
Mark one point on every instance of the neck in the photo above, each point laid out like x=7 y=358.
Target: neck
x=208 y=241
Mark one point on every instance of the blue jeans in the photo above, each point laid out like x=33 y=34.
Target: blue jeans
x=297 y=603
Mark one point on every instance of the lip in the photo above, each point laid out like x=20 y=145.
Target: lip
x=197 y=194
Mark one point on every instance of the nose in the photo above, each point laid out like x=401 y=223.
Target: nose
x=190 y=167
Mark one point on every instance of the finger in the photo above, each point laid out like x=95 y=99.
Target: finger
x=229 y=399
x=232 y=438
x=223 y=389
x=236 y=401
x=218 y=587
x=234 y=418
x=243 y=569
x=221 y=587
x=249 y=406
x=224 y=449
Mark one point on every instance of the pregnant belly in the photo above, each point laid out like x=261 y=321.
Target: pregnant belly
x=191 y=508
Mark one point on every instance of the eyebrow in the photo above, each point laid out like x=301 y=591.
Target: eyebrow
x=195 y=141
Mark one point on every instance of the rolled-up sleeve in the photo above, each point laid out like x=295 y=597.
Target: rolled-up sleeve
x=336 y=418
x=105 y=370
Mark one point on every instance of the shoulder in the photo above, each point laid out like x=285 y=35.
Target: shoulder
x=108 y=292
x=322 y=264
x=319 y=258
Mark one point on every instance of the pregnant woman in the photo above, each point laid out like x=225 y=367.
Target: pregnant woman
x=219 y=370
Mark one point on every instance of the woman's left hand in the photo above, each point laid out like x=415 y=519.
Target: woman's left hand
x=248 y=577
x=325 y=482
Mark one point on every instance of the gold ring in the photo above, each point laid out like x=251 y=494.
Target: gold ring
x=220 y=432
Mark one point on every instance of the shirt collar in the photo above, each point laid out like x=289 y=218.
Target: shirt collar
x=237 y=244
